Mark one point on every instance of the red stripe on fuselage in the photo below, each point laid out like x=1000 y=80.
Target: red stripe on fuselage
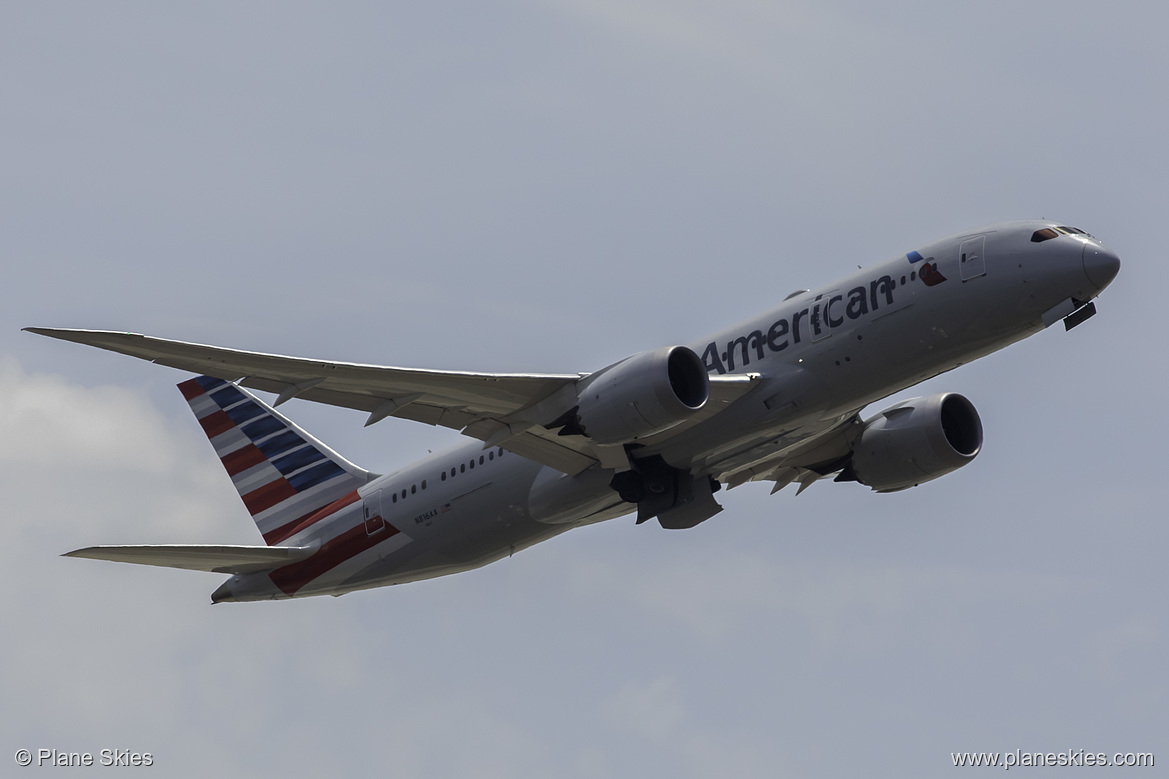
x=214 y=424
x=332 y=553
x=289 y=529
x=242 y=459
x=268 y=496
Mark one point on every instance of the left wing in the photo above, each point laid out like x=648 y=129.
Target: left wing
x=501 y=409
x=199 y=557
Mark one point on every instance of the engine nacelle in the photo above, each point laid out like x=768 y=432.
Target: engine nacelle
x=641 y=395
x=916 y=441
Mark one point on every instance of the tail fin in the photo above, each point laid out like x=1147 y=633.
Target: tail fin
x=283 y=474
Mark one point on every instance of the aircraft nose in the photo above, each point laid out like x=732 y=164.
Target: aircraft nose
x=1100 y=265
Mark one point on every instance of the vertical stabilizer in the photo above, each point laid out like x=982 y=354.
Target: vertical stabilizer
x=284 y=476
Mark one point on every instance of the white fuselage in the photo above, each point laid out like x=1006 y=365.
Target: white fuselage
x=823 y=355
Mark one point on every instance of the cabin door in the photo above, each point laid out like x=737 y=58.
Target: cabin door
x=971 y=259
x=374 y=522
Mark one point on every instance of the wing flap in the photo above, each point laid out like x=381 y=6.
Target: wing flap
x=198 y=557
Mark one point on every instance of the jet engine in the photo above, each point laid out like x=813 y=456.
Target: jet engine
x=916 y=441
x=639 y=396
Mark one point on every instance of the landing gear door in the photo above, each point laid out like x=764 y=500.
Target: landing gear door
x=971 y=258
x=372 y=506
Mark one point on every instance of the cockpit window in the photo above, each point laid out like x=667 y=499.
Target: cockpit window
x=1047 y=233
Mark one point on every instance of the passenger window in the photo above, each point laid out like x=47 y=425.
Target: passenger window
x=480 y=459
x=424 y=484
x=443 y=477
x=491 y=455
x=413 y=488
x=462 y=467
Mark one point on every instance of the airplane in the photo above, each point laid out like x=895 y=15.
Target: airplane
x=777 y=398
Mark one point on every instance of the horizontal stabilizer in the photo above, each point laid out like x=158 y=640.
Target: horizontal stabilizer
x=199 y=557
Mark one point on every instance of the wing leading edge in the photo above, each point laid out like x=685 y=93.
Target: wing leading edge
x=501 y=409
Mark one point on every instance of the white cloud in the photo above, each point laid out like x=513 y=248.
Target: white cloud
x=49 y=422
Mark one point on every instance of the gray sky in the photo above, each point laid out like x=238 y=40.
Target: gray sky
x=551 y=186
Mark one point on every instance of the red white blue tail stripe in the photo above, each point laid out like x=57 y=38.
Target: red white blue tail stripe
x=284 y=476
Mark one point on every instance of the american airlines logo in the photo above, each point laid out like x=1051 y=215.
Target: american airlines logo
x=930 y=275
x=814 y=321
